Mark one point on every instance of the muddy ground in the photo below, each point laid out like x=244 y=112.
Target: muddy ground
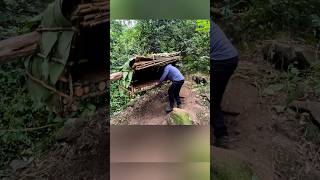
x=82 y=154
x=272 y=141
x=149 y=109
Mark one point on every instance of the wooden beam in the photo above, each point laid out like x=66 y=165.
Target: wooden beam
x=18 y=46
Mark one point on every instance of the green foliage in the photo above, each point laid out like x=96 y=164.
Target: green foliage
x=19 y=119
x=15 y=15
x=203 y=25
x=156 y=36
x=263 y=18
x=17 y=114
x=292 y=83
x=119 y=97
x=231 y=173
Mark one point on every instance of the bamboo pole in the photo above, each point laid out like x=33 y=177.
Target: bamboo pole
x=47 y=86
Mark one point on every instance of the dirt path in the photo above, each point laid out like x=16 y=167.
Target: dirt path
x=273 y=143
x=150 y=108
x=82 y=155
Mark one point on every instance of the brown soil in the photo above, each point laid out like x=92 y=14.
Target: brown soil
x=273 y=143
x=150 y=108
x=86 y=156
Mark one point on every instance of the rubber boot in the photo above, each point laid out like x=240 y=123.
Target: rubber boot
x=169 y=108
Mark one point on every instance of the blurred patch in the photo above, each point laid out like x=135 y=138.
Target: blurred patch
x=165 y=9
x=160 y=152
x=160 y=144
x=160 y=171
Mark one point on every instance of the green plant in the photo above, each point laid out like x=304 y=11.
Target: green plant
x=292 y=83
x=232 y=173
x=258 y=19
x=25 y=130
x=118 y=97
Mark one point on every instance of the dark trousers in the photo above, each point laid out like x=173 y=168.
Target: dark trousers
x=221 y=71
x=174 y=91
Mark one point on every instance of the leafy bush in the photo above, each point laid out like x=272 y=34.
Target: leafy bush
x=20 y=135
x=264 y=18
x=18 y=117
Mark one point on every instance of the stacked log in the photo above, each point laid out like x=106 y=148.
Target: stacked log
x=156 y=56
x=91 y=14
x=156 y=62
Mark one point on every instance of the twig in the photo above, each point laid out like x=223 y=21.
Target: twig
x=46 y=86
x=259 y=90
x=26 y=129
x=57 y=29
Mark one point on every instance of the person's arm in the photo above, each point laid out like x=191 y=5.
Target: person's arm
x=164 y=75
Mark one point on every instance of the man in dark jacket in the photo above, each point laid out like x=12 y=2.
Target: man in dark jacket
x=224 y=60
x=173 y=74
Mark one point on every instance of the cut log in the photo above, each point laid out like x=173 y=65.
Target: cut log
x=19 y=46
x=159 y=62
x=102 y=86
x=116 y=76
x=91 y=14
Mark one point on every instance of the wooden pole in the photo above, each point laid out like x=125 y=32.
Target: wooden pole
x=18 y=46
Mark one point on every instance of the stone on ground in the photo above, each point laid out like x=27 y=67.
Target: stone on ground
x=179 y=117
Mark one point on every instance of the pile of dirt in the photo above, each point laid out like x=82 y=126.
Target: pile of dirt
x=85 y=156
x=271 y=138
x=150 y=108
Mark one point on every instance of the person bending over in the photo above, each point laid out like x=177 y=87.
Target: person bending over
x=173 y=74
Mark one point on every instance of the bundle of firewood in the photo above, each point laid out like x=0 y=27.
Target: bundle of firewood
x=91 y=14
x=155 y=56
x=156 y=62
